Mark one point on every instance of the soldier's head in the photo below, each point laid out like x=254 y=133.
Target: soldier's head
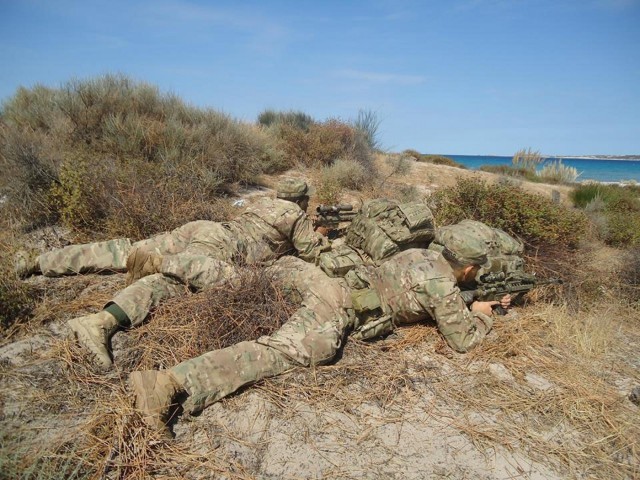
x=295 y=191
x=465 y=253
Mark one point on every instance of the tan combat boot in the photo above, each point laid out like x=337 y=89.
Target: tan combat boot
x=26 y=263
x=141 y=263
x=93 y=332
x=155 y=391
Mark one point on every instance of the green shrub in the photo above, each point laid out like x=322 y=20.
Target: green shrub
x=614 y=210
x=533 y=218
x=584 y=193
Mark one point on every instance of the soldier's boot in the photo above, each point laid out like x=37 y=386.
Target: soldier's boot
x=26 y=263
x=155 y=391
x=94 y=332
x=141 y=263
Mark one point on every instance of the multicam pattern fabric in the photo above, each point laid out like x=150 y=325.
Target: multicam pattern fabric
x=313 y=335
x=412 y=286
x=201 y=253
x=419 y=284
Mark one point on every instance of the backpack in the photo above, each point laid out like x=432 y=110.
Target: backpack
x=384 y=227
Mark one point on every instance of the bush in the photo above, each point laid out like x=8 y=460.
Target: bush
x=533 y=218
x=584 y=193
x=324 y=143
x=343 y=174
x=82 y=151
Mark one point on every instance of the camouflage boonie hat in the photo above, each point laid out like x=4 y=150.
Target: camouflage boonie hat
x=465 y=249
x=291 y=189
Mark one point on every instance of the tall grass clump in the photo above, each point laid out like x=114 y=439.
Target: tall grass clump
x=558 y=172
x=368 y=123
x=528 y=159
x=87 y=151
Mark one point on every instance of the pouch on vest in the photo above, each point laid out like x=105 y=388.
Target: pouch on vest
x=339 y=261
x=375 y=328
x=383 y=227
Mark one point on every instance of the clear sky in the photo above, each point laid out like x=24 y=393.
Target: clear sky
x=457 y=76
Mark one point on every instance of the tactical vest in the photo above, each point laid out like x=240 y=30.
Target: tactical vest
x=384 y=227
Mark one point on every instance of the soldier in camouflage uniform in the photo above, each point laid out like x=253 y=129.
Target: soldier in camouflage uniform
x=202 y=251
x=411 y=286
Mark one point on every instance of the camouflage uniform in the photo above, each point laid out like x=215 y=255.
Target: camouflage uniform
x=201 y=251
x=412 y=286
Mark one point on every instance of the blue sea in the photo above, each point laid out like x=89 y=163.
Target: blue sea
x=608 y=170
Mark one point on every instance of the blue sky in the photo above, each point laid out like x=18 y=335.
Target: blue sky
x=457 y=77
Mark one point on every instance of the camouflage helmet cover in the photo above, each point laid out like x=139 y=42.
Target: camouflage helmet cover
x=291 y=189
x=464 y=248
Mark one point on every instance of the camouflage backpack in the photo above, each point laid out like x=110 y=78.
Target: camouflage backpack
x=384 y=227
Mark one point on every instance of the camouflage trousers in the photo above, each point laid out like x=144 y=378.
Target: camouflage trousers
x=202 y=250
x=312 y=336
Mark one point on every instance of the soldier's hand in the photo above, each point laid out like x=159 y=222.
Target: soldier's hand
x=483 y=307
x=322 y=230
x=505 y=302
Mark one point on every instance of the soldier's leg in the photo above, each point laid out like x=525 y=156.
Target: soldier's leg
x=128 y=308
x=108 y=256
x=184 y=254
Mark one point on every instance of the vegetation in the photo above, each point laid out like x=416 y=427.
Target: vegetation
x=535 y=219
x=340 y=176
x=613 y=209
x=557 y=172
x=112 y=156
x=527 y=159
x=435 y=159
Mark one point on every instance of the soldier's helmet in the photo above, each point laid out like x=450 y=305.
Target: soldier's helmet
x=292 y=189
x=460 y=246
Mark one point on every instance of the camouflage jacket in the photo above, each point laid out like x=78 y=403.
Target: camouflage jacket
x=412 y=286
x=271 y=228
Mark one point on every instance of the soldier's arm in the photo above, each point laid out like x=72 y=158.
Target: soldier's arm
x=461 y=328
x=307 y=242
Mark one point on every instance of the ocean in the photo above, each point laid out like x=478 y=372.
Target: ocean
x=600 y=170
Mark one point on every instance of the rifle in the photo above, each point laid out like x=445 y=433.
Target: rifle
x=331 y=216
x=494 y=286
